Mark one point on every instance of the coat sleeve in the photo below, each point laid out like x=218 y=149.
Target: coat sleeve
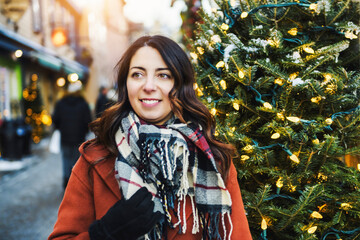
x=238 y=216
x=76 y=211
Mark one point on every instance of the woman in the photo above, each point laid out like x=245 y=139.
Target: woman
x=155 y=169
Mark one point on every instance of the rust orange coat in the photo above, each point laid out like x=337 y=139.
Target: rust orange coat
x=90 y=194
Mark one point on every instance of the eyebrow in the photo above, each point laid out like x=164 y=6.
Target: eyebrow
x=158 y=69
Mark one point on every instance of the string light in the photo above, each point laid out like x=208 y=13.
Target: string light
x=200 y=50
x=223 y=84
x=313 y=6
x=241 y=74
x=293 y=119
x=263 y=224
x=316 y=214
x=345 y=206
x=328 y=121
x=316 y=141
x=193 y=55
x=293 y=76
x=213 y=111
x=293 y=31
x=244 y=157
x=294 y=158
x=248 y=148
x=267 y=105
x=312 y=230
x=224 y=27
x=236 y=106
x=279 y=81
x=279 y=183
x=275 y=136
x=309 y=50
x=244 y=15
x=316 y=99
x=220 y=64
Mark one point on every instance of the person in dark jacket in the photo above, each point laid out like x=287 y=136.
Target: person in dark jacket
x=71 y=116
x=102 y=101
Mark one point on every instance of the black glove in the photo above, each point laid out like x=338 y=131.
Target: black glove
x=127 y=219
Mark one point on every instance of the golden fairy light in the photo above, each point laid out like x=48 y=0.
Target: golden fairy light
x=313 y=6
x=309 y=50
x=220 y=64
x=316 y=214
x=328 y=121
x=224 y=26
x=293 y=31
x=267 y=105
x=293 y=76
x=248 y=148
x=236 y=106
x=316 y=141
x=294 y=158
x=345 y=206
x=244 y=157
x=316 y=99
x=193 y=55
x=244 y=15
x=213 y=111
x=241 y=74
x=279 y=183
x=293 y=119
x=275 y=136
x=263 y=224
x=358 y=166
x=200 y=50
x=223 y=84
x=279 y=81
x=312 y=230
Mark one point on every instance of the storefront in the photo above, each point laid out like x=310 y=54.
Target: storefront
x=28 y=90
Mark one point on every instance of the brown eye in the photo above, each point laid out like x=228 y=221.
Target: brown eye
x=136 y=75
x=164 y=76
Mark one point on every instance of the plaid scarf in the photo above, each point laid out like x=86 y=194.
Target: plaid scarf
x=166 y=160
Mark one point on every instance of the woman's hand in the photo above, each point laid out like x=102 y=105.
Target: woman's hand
x=127 y=219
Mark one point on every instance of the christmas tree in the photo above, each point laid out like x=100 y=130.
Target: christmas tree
x=282 y=81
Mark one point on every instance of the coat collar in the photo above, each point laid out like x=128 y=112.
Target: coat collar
x=105 y=168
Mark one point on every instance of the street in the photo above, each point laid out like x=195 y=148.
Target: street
x=29 y=198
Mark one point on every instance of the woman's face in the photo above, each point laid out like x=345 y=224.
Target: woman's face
x=149 y=82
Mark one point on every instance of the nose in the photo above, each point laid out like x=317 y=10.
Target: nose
x=150 y=84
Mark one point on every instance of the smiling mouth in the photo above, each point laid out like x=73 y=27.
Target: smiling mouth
x=149 y=101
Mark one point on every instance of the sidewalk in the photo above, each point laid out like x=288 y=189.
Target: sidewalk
x=30 y=194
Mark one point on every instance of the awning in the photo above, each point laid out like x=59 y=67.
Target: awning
x=45 y=57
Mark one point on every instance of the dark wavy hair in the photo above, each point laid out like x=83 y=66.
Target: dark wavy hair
x=184 y=102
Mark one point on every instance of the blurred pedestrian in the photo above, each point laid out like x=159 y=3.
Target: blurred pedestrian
x=102 y=101
x=155 y=169
x=71 y=116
